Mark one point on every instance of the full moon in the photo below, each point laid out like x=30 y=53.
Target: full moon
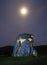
x=23 y=11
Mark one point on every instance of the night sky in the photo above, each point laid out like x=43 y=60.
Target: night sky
x=13 y=23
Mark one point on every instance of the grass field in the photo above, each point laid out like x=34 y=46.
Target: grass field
x=40 y=60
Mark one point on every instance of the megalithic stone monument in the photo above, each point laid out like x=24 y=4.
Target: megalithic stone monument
x=24 y=45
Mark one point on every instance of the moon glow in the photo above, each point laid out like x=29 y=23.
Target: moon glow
x=23 y=11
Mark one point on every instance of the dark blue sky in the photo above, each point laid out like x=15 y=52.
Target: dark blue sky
x=12 y=23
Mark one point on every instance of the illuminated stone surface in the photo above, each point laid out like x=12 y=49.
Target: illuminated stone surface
x=23 y=47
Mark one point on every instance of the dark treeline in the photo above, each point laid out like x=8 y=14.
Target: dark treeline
x=42 y=50
x=7 y=50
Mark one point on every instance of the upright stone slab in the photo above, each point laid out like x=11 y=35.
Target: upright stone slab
x=24 y=46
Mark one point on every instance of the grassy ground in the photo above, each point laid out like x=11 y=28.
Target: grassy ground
x=40 y=60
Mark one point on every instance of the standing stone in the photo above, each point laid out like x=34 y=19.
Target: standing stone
x=24 y=46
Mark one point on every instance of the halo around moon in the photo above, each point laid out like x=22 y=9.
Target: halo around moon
x=23 y=11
